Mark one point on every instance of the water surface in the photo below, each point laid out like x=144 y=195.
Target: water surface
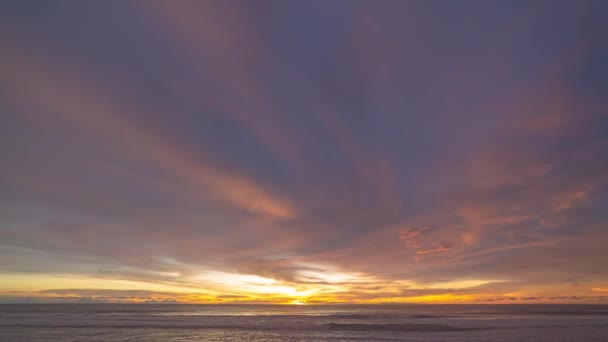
x=172 y=323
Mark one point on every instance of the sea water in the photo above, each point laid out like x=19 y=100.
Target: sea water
x=172 y=323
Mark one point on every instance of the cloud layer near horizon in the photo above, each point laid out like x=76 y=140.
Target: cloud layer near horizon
x=327 y=151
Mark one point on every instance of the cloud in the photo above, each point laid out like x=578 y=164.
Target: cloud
x=239 y=152
x=410 y=234
x=105 y=293
x=222 y=35
x=442 y=247
x=76 y=99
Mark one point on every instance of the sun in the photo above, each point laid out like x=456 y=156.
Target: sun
x=297 y=302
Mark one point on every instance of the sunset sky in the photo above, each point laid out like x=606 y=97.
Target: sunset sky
x=304 y=151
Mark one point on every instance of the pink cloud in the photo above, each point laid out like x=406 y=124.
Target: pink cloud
x=444 y=246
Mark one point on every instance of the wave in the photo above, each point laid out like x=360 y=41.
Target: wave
x=379 y=316
x=412 y=327
x=403 y=327
x=277 y=327
x=435 y=327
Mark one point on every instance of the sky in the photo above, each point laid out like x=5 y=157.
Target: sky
x=317 y=151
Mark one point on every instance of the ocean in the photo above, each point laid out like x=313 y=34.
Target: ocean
x=172 y=323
